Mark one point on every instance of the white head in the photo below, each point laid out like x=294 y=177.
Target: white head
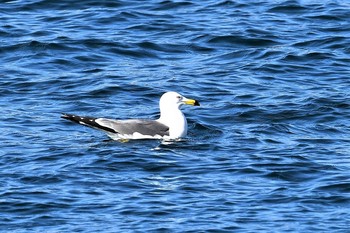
x=175 y=100
x=171 y=115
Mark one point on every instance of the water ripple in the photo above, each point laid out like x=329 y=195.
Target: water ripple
x=270 y=137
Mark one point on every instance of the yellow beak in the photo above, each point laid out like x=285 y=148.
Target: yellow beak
x=191 y=102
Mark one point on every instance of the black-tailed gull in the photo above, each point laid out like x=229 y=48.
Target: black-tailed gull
x=172 y=123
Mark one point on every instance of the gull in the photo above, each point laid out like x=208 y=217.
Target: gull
x=172 y=123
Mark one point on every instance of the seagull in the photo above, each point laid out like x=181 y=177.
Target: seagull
x=172 y=123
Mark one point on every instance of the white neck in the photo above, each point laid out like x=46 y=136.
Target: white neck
x=175 y=120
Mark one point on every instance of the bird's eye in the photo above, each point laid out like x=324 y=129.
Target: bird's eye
x=179 y=97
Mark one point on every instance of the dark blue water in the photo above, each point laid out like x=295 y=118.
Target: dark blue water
x=268 y=150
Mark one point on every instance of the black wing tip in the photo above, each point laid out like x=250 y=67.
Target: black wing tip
x=87 y=121
x=65 y=115
x=72 y=117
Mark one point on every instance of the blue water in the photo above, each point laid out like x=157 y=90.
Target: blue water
x=267 y=151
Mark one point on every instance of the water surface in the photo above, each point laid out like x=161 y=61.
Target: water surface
x=268 y=150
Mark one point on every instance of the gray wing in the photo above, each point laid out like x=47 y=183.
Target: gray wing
x=128 y=127
x=124 y=127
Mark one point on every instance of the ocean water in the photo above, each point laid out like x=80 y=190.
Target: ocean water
x=268 y=150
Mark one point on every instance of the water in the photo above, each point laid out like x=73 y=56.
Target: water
x=268 y=150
